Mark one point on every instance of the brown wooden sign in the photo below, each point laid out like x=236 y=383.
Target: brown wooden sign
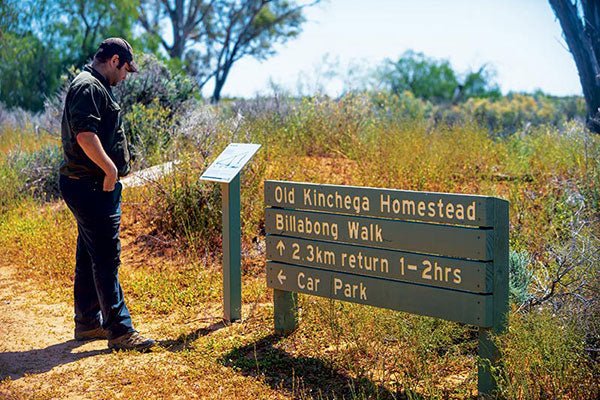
x=464 y=307
x=423 y=269
x=453 y=241
x=436 y=254
x=405 y=205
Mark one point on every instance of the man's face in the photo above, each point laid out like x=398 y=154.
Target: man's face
x=117 y=74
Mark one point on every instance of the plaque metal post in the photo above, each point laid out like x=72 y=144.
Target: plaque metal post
x=226 y=170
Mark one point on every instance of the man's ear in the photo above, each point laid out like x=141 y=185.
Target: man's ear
x=114 y=60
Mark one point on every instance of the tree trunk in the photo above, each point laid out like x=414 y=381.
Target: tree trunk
x=216 y=96
x=585 y=53
x=220 y=79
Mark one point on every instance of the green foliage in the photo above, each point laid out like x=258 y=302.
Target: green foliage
x=9 y=16
x=520 y=277
x=219 y=33
x=509 y=114
x=425 y=78
x=248 y=28
x=479 y=83
x=29 y=174
x=75 y=29
x=38 y=171
x=154 y=83
x=434 y=80
x=149 y=101
x=29 y=71
x=37 y=47
x=28 y=161
x=401 y=107
x=150 y=132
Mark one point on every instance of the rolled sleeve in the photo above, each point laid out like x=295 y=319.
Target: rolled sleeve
x=85 y=109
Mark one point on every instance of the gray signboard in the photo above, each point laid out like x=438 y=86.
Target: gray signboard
x=436 y=254
x=468 y=308
x=423 y=269
x=452 y=241
x=446 y=208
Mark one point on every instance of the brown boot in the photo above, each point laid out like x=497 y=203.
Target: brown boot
x=91 y=334
x=131 y=341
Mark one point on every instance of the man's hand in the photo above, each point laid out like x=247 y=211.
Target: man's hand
x=110 y=180
x=92 y=147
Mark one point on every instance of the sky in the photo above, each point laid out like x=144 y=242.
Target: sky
x=520 y=39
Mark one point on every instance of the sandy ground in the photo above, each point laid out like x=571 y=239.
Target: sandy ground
x=39 y=359
x=36 y=338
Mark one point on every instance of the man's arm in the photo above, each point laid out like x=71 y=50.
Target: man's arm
x=90 y=143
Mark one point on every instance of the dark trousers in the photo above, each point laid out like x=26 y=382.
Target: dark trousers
x=98 y=295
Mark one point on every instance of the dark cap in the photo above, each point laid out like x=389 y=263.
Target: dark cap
x=120 y=47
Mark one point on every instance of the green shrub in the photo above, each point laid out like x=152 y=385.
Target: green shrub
x=150 y=101
x=184 y=208
x=511 y=113
x=154 y=81
x=506 y=115
x=520 y=277
x=33 y=174
x=401 y=107
x=37 y=171
x=29 y=159
x=151 y=133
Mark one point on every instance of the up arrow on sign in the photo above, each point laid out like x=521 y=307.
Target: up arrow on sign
x=280 y=247
x=281 y=277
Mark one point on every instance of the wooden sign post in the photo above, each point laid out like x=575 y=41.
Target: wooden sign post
x=226 y=170
x=436 y=254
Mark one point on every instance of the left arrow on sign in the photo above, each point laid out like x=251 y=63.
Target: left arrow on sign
x=280 y=247
x=281 y=277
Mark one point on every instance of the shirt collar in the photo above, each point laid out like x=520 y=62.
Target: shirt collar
x=97 y=75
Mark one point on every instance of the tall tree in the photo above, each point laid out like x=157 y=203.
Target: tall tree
x=28 y=67
x=580 y=22
x=188 y=21
x=29 y=71
x=36 y=47
x=76 y=27
x=210 y=36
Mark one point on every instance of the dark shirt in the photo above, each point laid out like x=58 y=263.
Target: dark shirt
x=90 y=106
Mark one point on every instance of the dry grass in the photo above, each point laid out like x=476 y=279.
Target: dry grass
x=172 y=277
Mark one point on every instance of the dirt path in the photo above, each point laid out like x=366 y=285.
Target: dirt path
x=40 y=360
x=36 y=339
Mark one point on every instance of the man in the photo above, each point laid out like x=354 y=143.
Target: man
x=95 y=156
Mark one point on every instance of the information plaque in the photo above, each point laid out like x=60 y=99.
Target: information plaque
x=230 y=162
x=226 y=170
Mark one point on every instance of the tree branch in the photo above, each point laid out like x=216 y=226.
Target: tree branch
x=143 y=19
